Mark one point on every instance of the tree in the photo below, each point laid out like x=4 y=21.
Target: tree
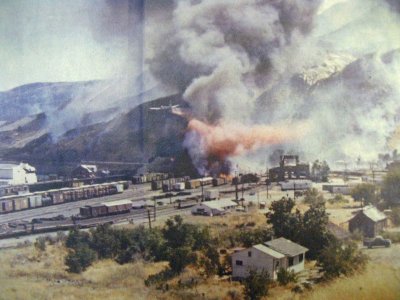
x=284 y=222
x=256 y=285
x=104 y=241
x=320 y=171
x=309 y=230
x=76 y=238
x=79 y=259
x=177 y=234
x=391 y=186
x=340 y=259
x=179 y=258
x=365 y=193
x=315 y=235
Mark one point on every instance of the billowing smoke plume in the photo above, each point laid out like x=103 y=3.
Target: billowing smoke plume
x=255 y=63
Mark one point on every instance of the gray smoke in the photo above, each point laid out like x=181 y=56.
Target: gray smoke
x=333 y=63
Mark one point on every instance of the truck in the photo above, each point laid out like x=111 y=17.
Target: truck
x=211 y=194
x=376 y=242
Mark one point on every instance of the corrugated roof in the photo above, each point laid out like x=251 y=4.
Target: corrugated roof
x=219 y=204
x=269 y=251
x=373 y=213
x=286 y=247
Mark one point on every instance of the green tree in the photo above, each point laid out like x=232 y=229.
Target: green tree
x=77 y=238
x=104 y=241
x=80 y=258
x=341 y=259
x=285 y=223
x=256 y=285
x=365 y=193
x=391 y=186
x=178 y=234
x=315 y=235
x=179 y=258
x=320 y=171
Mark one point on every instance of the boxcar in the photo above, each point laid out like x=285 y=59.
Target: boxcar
x=20 y=202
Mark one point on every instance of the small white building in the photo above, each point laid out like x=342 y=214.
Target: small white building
x=270 y=257
x=300 y=184
x=13 y=174
x=213 y=208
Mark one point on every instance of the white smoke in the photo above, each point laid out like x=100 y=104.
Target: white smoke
x=332 y=63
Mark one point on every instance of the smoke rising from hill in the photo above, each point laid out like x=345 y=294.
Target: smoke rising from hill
x=260 y=62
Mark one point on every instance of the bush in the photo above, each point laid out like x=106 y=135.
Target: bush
x=80 y=259
x=40 y=244
x=339 y=259
x=256 y=285
x=285 y=277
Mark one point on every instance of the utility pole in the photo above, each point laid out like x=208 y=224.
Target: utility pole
x=148 y=215
x=294 y=190
x=155 y=208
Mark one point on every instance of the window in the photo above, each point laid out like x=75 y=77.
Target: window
x=249 y=253
x=301 y=257
x=290 y=261
x=239 y=263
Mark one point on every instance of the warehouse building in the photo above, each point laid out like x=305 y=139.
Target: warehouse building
x=213 y=208
x=289 y=168
x=13 y=174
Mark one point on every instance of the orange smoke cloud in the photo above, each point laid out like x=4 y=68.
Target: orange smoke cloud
x=227 y=140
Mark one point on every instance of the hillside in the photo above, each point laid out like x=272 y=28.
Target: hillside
x=120 y=139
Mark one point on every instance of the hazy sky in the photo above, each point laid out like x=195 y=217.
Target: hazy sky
x=58 y=40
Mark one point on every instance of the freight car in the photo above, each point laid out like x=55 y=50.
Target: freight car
x=57 y=196
x=219 y=181
x=105 y=209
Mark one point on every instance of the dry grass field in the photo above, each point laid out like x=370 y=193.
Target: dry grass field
x=28 y=274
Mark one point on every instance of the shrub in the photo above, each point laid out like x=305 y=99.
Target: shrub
x=339 y=259
x=256 y=285
x=40 y=244
x=79 y=259
x=285 y=277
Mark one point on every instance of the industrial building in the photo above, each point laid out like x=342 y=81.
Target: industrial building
x=13 y=174
x=369 y=220
x=213 y=208
x=269 y=256
x=289 y=168
x=84 y=171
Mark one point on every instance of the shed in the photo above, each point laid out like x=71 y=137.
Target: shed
x=369 y=220
x=213 y=208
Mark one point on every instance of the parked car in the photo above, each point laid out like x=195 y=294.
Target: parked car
x=377 y=241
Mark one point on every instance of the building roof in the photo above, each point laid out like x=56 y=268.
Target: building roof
x=269 y=251
x=373 y=213
x=218 y=204
x=118 y=202
x=286 y=247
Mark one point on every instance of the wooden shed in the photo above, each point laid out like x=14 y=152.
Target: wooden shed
x=369 y=220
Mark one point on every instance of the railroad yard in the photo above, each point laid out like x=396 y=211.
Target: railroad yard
x=146 y=203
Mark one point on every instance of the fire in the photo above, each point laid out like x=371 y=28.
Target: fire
x=227 y=139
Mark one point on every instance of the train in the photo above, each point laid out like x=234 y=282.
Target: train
x=12 y=203
x=105 y=209
x=150 y=177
